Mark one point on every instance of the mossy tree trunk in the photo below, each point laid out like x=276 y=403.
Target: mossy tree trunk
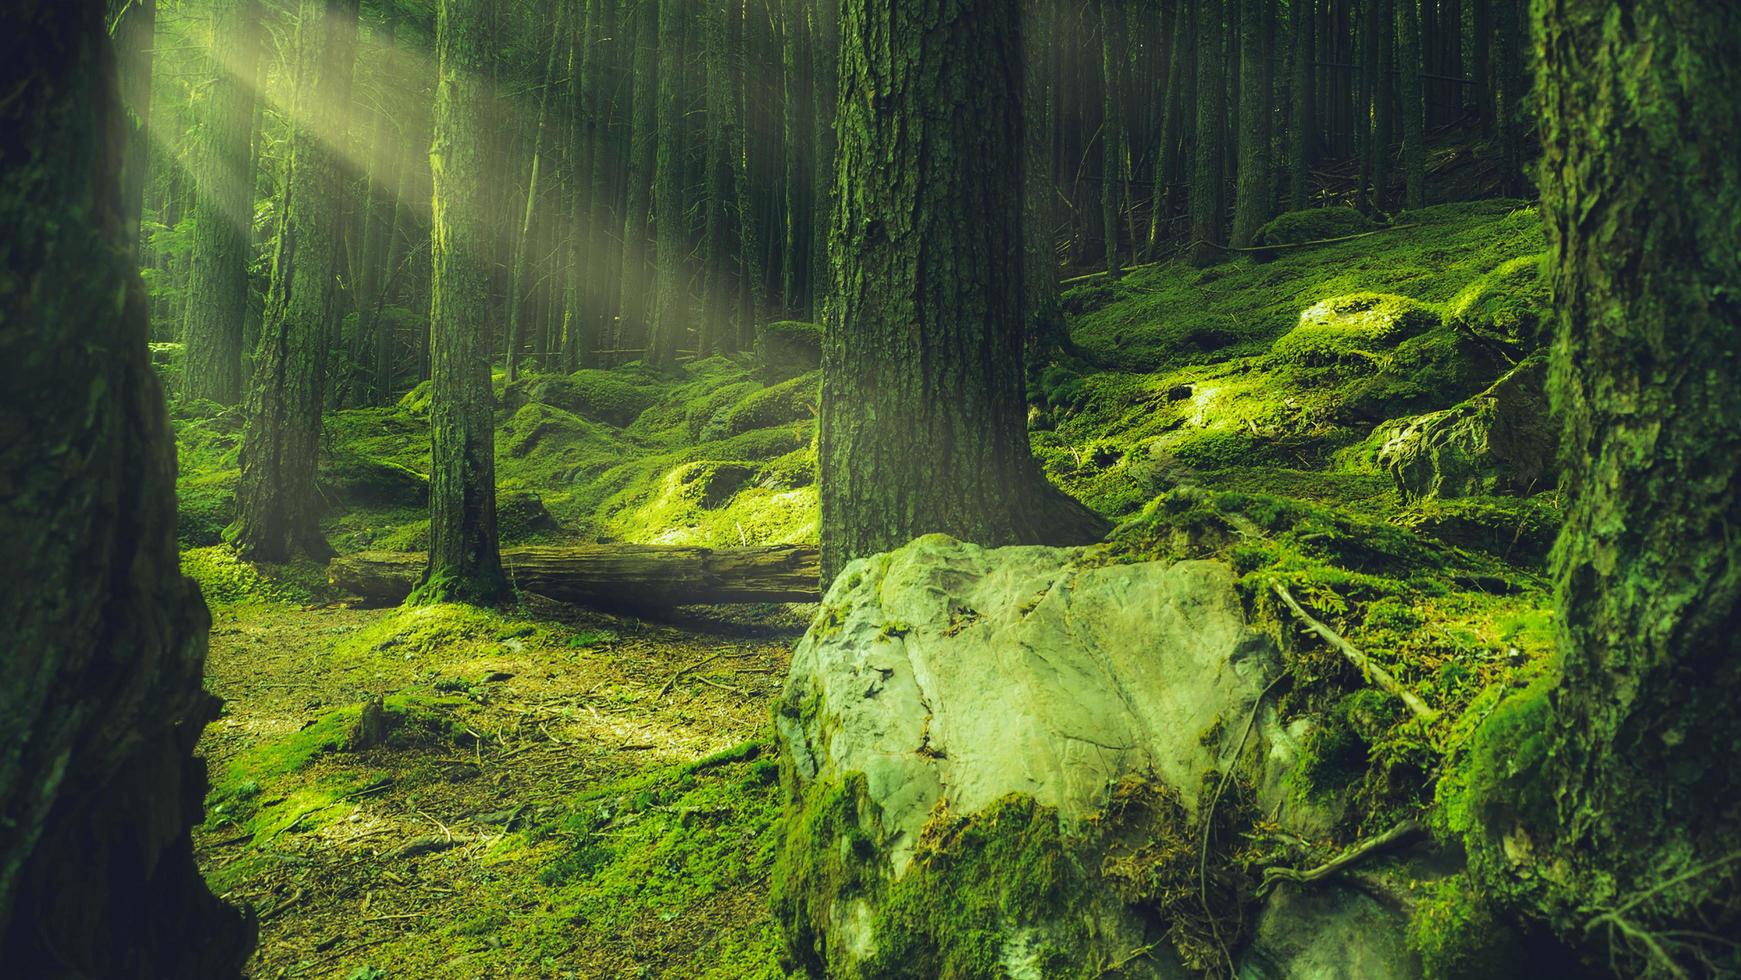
x=1207 y=217
x=278 y=510
x=670 y=229
x=102 y=702
x=381 y=217
x=1642 y=198
x=923 y=419
x=1255 y=193
x=223 y=210
x=464 y=562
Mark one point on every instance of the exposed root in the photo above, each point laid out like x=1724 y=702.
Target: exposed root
x=1407 y=830
x=1385 y=680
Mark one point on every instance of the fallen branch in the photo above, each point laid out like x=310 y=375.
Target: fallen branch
x=1407 y=830
x=1386 y=681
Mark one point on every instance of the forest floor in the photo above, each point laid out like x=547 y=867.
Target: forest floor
x=538 y=810
x=545 y=791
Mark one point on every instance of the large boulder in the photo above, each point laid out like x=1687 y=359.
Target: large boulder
x=1499 y=441
x=997 y=761
x=787 y=348
x=599 y=396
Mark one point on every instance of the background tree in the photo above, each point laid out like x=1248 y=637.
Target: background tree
x=278 y=509
x=464 y=560
x=1253 y=200
x=1207 y=219
x=223 y=209
x=1414 y=111
x=102 y=704
x=923 y=417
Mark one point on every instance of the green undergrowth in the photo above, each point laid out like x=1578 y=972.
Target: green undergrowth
x=226 y=579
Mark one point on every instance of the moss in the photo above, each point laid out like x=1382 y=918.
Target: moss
x=1520 y=530
x=416 y=401
x=789 y=401
x=1355 y=327
x=788 y=348
x=595 y=395
x=522 y=518
x=205 y=504
x=1511 y=303
x=1458 y=934
x=1312 y=225
x=225 y=578
x=354 y=480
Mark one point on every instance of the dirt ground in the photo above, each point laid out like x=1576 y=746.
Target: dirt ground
x=431 y=868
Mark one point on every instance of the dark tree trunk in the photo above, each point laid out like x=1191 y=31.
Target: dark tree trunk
x=643 y=147
x=1046 y=331
x=387 y=154
x=103 y=702
x=1303 y=126
x=1511 y=91
x=1111 y=129
x=278 y=511
x=1169 y=149
x=1641 y=197
x=135 y=31
x=1207 y=217
x=1255 y=193
x=223 y=211
x=670 y=309
x=1383 y=29
x=1481 y=59
x=1413 y=109
x=923 y=419
x=518 y=263
x=463 y=558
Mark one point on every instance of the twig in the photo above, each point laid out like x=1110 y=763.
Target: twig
x=1359 y=852
x=704 y=661
x=1378 y=675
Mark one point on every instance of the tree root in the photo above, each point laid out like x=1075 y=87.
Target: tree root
x=1372 y=671
x=1407 y=830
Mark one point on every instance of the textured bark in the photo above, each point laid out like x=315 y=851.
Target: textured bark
x=101 y=700
x=463 y=558
x=382 y=217
x=923 y=420
x=1207 y=218
x=1046 y=330
x=1255 y=190
x=1413 y=109
x=278 y=511
x=647 y=576
x=1175 y=115
x=1111 y=130
x=670 y=307
x=517 y=267
x=643 y=30
x=1642 y=193
x=603 y=251
x=134 y=23
x=223 y=210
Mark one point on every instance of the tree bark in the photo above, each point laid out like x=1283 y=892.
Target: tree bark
x=223 y=211
x=278 y=511
x=1207 y=218
x=103 y=702
x=463 y=559
x=134 y=27
x=1414 y=150
x=1303 y=126
x=1255 y=192
x=615 y=574
x=923 y=419
x=670 y=230
x=643 y=145
x=1642 y=189
x=1111 y=130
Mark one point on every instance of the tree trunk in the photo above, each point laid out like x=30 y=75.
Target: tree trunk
x=1511 y=90
x=1414 y=150
x=1383 y=102
x=134 y=23
x=463 y=560
x=523 y=231
x=278 y=511
x=1303 y=126
x=643 y=146
x=1046 y=330
x=647 y=576
x=103 y=701
x=923 y=419
x=223 y=211
x=1111 y=129
x=1206 y=187
x=1639 y=129
x=1169 y=149
x=381 y=229
x=670 y=230
x=1255 y=193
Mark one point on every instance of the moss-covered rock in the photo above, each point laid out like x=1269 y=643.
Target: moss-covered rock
x=792 y=400
x=353 y=480
x=1511 y=304
x=601 y=396
x=1521 y=530
x=1502 y=440
x=788 y=348
x=1312 y=225
x=416 y=401
x=521 y=517
x=1356 y=327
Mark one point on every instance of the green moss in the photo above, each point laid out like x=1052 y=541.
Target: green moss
x=224 y=578
x=1458 y=934
x=790 y=401
x=1511 y=303
x=601 y=396
x=355 y=480
x=1312 y=225
x=205 y=504
x=1355 y=327
x=788 y=348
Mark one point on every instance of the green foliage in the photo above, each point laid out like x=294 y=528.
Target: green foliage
x=225 y=578
x=601 y=396
x=1458 y=934
x=1511 y=303
x=1355 y=327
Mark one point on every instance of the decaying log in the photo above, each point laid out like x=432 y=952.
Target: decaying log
x=612 y=574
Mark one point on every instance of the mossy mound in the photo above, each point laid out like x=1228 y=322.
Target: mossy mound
x=353 y=480
x=601 y=396
x=793 y=400
x=1511 y=304
x=1312 y=225
x=1355 y=327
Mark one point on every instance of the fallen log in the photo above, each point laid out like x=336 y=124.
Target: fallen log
x=641 y=575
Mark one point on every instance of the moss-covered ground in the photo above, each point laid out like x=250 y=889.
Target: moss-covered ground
x=571 y=793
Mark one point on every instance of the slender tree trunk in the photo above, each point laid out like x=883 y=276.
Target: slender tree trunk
x=1622 y=779
x=1111 y=129
x=752 y=288
x=103 y=700
x=223 y=212
x=1169 y=154
x=1414 y=150
x=643 y=133
x=522 y=242
x=464 y=562
x=1481 y=57
x=1207 y=218
x=923 y=418
x=1383 y=102
x=716 y=183
x=670 y=311
x=1511 y=94
x=386 y=160
x=1255 y=193
x=824 y=72
x=133 y=24
x=278 y=511
x=1303 y=128
x=1046 y=330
